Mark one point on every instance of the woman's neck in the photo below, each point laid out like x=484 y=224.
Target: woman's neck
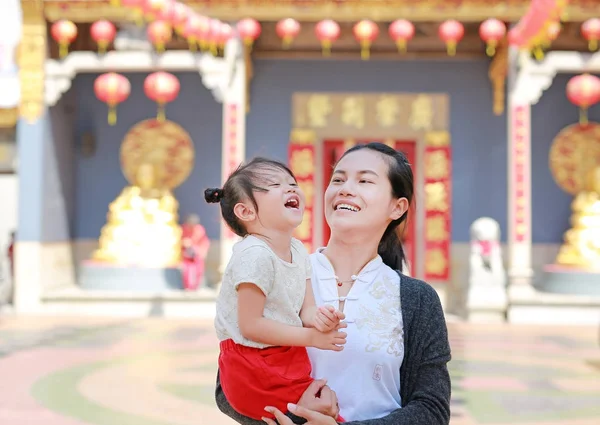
x=349 y=258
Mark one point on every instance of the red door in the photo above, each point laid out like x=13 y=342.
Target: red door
x=333 y=151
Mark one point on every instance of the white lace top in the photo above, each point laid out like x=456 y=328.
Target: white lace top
x=283 y=283
x=374 y=349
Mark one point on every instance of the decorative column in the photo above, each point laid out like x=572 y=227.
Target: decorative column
x=30 y=143
x=519 y=189
x=234 y=130
x=525 y=89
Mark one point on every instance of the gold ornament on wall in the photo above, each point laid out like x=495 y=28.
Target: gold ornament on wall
x=574 y=153
x=165 y=145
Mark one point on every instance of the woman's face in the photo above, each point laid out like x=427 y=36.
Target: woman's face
x=359 y=195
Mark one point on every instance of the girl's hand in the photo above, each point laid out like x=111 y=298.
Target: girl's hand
x=320 y=398
x=327 y=318
x=312 y=417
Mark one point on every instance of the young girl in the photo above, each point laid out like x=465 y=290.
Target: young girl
x=266 y=313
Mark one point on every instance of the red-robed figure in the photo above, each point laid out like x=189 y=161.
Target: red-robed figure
x=194 y=245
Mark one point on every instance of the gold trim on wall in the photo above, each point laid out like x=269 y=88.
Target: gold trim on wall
x=31 y=59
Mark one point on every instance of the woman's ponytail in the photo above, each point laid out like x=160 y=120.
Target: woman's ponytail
x=390 y=247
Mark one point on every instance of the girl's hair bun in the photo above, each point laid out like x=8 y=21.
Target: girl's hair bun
x=214 y=195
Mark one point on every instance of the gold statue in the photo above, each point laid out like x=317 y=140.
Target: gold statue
x=582 y=242
x=142 y=225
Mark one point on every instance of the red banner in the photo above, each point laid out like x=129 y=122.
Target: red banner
x=302 y=164
x=438 y=211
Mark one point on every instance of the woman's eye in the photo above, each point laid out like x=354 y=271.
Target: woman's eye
x=365 y=181
x=274 y=185
x=336 y=180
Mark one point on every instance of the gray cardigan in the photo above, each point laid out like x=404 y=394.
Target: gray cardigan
x=424 y=378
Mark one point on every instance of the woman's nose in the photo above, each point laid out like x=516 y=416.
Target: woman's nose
x=347 y=188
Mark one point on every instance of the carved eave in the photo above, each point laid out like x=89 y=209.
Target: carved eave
x=215 y=72
x=535 y=77
x=273 y=10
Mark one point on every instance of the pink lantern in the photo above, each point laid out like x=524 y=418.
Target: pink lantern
x=451 y=32
x=287 y=30
x=401 y=31
x=491 y=32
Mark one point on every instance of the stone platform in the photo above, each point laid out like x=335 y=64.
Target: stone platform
x=97 y=276
x=569 y=280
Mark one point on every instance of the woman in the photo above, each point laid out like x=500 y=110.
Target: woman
x=393 y=322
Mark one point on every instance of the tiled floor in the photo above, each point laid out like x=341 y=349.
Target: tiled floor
x=161 y=372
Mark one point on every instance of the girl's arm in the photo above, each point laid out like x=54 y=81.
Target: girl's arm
x=255 y=327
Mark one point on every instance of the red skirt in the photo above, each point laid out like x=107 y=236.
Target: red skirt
x=253 y=378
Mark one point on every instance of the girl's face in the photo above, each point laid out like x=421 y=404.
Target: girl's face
x=359 y=196
x=281 y=207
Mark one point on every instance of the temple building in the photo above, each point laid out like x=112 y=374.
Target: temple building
x=129 y=109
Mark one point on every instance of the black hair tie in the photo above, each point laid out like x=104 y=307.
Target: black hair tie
x=213 y=195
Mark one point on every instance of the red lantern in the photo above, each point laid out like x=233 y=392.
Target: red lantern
x=162 y=88
x=583 y=91
x=103 y=32
x=365 y=32
x=491 y=32
x=590 y=30
x=451 y=32
x=249 y=29
x=191 y=30
x=287 y=30
x=64 y=33
x=138 y=9
x=160 y=33
x=179 y=17
x=401 y=31
x=327 y=32
x=112 y=89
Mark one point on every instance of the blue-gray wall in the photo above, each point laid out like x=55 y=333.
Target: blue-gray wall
x=47 y=174
x=478 y=137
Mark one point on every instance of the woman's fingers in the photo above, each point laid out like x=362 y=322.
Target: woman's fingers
x=281 y=418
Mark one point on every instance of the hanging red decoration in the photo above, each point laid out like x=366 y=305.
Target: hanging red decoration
x=249 y=29
x=103 y=33
x=159 y=33
x=583 y=91
x=401 y=31
x=590 y=30
x=166 y=12
x=191 y=31
x=138 y=9
x=491 y=32
x=287 y=29
x=179 y=17
x=162 y=88
x=64 y=33
x=327 y=32
x=365 y=32
x=451 y=32
x=112 y=89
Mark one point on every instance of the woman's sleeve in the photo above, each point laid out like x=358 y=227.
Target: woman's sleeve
x=226 y=408
x=429 y=402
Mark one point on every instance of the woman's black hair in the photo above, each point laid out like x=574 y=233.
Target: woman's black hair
x=240 y=186
x=402 y=181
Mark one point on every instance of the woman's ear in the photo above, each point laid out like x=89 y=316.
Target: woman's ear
x=244 y=212
x=400 y=207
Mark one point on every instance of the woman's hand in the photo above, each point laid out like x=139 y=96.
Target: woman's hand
x=312 y=417
x=320 y=398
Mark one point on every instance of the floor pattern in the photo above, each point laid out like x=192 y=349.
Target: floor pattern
x=161 y=372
